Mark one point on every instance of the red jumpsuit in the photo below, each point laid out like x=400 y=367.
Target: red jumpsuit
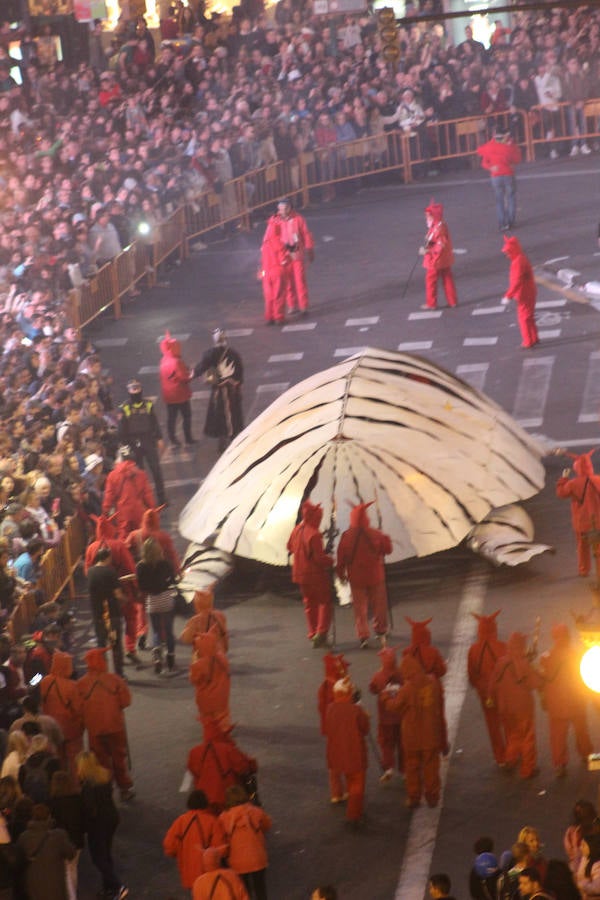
x=61 y=699
x=218 y=882
x=384 y=684
x=584 y=492
x=360 y=561
x=151 y=528
x=336 y=667
x=430 y=659
x=346 y=726
x=187 y=838
x=128 y=492
x=206 y=617
x=294 y=232
x=438 y=258
x=563 y=697
x=511 y=690
x=105 y=696
x=217 y=763
x=310 y=570
x=209 y=673
x=420 y=704
x=522 y=288
x=483 y=655
x=276 y=271
x=245 y=826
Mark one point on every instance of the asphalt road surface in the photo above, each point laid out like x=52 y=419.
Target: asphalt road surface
x=366 y=246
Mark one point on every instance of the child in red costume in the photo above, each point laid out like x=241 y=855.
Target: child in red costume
x=189 y=835
x=206 y=617
x=511 y=691
x=438 y=257
x=209 y=674
x=245 y=825
x=564 y=698
x=419 y=702
x=175 y=388
x=276 y=271
x=127 y=491
x=360 y=561
x=483 y=656
x=218 y=882
x=217 y=763
x=336 y=667
x=346 y=727
x=61 y=699
x=583 y=490
x=430 y=659
x=523 y=290
x=105 y=696
x=385 y=684
x=310 y=570
x=299 y=242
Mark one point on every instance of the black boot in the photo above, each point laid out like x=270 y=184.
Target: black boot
x=157 y=660
x=170 y=661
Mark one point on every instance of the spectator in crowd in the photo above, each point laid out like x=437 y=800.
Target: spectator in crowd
x=46 y=849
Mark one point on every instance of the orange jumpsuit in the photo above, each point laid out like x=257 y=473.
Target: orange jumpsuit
x=187 y=838
x=522 y=288
x=245 y=826
x=438 y=258
x=311 y=570
x=276 y=271
x=217 y=882
x=294 y=232
x=346 y=727
x=62 y=700
x=209 y=674
x=128 y=492
x=483 y=655
x=336 y=667
x=583 y=490
x=217 y=763
x=430 y=659
x=206 y=618
x=385 y=684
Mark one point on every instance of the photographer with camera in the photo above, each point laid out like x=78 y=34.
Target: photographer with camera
x=291 y=229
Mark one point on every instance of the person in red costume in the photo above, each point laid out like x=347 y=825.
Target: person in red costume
x=511 y=691
x=204 y=619
x=298 y=241
x=420 y=704
x=499 y=156
x=275 y=273
x=438 y=257
x=217 y=763
x=360 y=561
x=105 y=696
x=127 y=492
x=385 y=684
x=175 y=388
x=336 y=667
x=583 y=490
x=523 y=290
x=311 y=571
x=245 y=825
x=209 y=674
x=60 y=698
x=483 y=656
x=564 y=698
x=346 y=727
x=189 y=835
x=429 y=658
x=218 y=882
x=150 y=527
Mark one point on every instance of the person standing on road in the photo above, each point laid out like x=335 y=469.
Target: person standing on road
x=175 y=380
x=245 y=825
x=156 y=579
x=311 y=571
x=438 y=257
x=222 y=367
x=299 y=242
x=217 y=763
x=385 y=683
x=275 y=272
x=583 y=490
x=346 y=727
x=523 y=290
x=430 y=659
x=61 y=699
x=139 y=429
x=127 y=493
x=482 y=658
x=218 y=882
x=191 y=834
x=499 y=156
x=107 y=599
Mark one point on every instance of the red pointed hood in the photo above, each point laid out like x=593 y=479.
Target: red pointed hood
x=151 y=521
x=582 y=465
x=311 y=513
x=421 y=635
x=359 y=518
x=388 y=659
x=105 y=529
x=62 y=664
x=488 y=627
x=96 y=659
x=561 y=635
x=435 y=210
x=336 y=666
x=170 y=346
x=512 y=248
x=203 y=600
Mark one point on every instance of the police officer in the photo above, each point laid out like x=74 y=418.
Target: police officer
x=139 y=429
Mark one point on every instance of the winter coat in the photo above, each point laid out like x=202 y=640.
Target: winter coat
x=244 y=828
x=499 y=158
x=46 y=849
x=173 y=373
x=346 y=726
x=61 y=697
x=67 y=813
x=105 y=696
x=187 y=837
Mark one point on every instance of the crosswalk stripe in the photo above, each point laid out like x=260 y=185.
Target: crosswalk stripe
x=285 y=357
x=488 y=310
x=549 y=335
x=425 y=314
x=239 y=332
x=111 y=342
x=590 y=403
x=148 y=370
x=275 y=388
x=177 y=337
x=408 y=346
x=348 y=351
x=480 y=342
x=532 y=391
x=474 y=374
x=200 y=395
x=370 y=320
x=550 y=304
x=301 y=326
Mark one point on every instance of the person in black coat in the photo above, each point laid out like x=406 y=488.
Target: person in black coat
x=45 y=849
x=222 y=367
x=66 y=807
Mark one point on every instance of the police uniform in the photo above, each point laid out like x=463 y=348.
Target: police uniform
x=139 y=428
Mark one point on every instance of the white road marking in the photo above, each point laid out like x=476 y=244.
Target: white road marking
x=201 y=395
x=111 y=342
x=239 y=332
x=148 y=370
x=488 y=310
x=480 y=342
x=275 y=388
x=425 y=314
x=550 y=304
x=285 y=357
x=532 y=391
x=370 y=320
x=474 y=374
x=579 y=442
x=178 y=337
x=590 y=403
x=327 y=238
x=301 y=326
x=348 y=351
x=408 y=346
x=556 y=259
x=549 y=335
x=183 y=482
x=460 y=251
x=420 y=845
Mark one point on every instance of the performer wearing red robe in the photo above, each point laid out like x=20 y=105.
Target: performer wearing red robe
x=209 y=674
x=336 y=667
x=438 y=257
x=385 y=685
x=430 y=659
x=191 y=834
x=217 y=763
x=523 y=290
x=127 y=491
x=310 y=570
x=346 y=727
x=62 y=700
x=298 y=241
x=206 y=618
x=483 y=656
x=583 y=490
x=275 y=273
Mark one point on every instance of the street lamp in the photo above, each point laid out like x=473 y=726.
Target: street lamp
x=588 y=626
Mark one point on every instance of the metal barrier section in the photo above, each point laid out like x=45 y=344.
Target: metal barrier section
x=22 y=616
x=565 y=126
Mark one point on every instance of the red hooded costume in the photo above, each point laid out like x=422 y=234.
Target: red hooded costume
x=151 y=528
x=522 y=288
x=499 y=157
x=276 y=271
x=346 y=728
x=217 y=763
x=420 y=704
x=310 y=570
x=294 y=232
x=245 y=826
x=336 y=667
x=583 y=490
x=483 y=656
x=218 y=882
x=429 y=658
x=128 y=492
x=439 y=257
x=61 y=699
x=186 y=840
x=105 y=696
x=206 y=618
x=385 y=684
x=360 y=561
x=564 y=698
x=173 y=373
x=210 y=676
x=511 y=690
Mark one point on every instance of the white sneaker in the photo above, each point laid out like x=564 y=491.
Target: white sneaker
x=554 y=154
x=585 y=150
x=574 y=151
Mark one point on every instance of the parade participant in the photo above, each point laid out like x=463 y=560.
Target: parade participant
x=483 y=656
x=175 y=380
x=564 y=698
x=511 y=689
x=346 y=727
x=127 y=492
x=583 y=490
x=310 y=570
x=523 y=290
x=336 y=667
x=45 y=849
x=204 y=619
x=360 y=561
x=139 y=429
x=275 y=272
x=245 y=825
x=420 y=703
x=209 y=673
x=150 y=528
x=438 y=257
x=61 y=699
x=222 y=367
x=107 y=600
x=429 y=658
x=217 y=763
x=191 y=834
x=499 y=156
x=218 y=882
x=39 y=659
x=385 y=684
x=299 y=242
x=105 y=696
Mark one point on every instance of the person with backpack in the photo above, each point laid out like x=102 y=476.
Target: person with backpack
x=190 y=834
x=36 y=772
x=45 y=849
x=245 y=825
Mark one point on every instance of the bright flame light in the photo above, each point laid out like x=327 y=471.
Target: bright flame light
x=589 y=669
